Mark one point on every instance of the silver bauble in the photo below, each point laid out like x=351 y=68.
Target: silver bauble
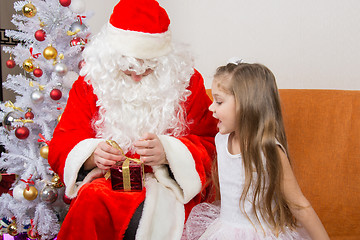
x=37 y=97
x=18 y=191
x=49 y=194
x=9 y=118
x=61 y=69
x=77 y=27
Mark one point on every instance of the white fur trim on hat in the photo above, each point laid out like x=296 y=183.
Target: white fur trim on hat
x=139 y=44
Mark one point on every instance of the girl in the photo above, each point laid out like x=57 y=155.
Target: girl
x=260 y=197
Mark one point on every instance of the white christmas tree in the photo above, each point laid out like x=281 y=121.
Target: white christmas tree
x=52 y=34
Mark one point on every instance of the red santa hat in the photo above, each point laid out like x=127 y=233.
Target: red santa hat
x=140 y=28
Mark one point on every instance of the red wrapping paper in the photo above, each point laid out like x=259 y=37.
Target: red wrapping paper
x=136 y=171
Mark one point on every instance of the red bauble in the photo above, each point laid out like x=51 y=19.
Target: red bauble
x=37 y=72
x=29 y=115
x=81 y=64
x=40 y=35
x=22 y=132
x=66 y=199
x=55 y=94
x=10 y=63
x=77 y=41
x=65 y=3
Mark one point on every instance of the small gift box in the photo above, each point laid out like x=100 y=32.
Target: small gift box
x=127 y=175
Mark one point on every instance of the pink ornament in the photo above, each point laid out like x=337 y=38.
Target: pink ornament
x=10 y=63
x=65 y=3
x=40 y=35
x=37 y=72
x=22 y=132
x=55 y=94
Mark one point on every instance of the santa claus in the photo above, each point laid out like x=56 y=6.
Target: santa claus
x=140 y=90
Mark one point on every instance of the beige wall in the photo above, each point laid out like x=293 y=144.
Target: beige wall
x=307 y=44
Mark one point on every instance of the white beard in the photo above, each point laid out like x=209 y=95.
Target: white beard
x=128 y=109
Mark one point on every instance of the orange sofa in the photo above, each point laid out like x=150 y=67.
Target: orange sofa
x=323 y=131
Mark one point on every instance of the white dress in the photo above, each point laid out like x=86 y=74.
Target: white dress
x=209 y=221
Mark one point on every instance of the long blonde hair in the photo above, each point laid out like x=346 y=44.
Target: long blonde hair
x=259 y=126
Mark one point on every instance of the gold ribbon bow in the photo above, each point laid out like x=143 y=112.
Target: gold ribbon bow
x=125 y=166
x=32 y=84
x=11 y=105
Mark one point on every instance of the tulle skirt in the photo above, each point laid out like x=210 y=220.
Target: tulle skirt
x=204 y=223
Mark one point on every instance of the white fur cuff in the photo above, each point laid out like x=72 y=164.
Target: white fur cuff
x=187 y=182
x=75 y=159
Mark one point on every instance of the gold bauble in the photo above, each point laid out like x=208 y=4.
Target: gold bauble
x=50 y=52
x=44 y=151
x=29 y=10
x=28 y=65
x=30 y=194
x=56 y=181
x=0 y=177
x=12 y=229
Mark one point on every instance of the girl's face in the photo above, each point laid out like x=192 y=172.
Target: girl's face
x=223 y=108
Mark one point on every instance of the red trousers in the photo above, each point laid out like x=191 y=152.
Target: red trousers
x=99 y=213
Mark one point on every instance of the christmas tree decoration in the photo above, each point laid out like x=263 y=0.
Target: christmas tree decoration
x=9 y=119
x=69 y=79
x=55 y=94
x=12 y=229
x=18 y=192
x=59 y=118
x=10 y=63
x=44 y=151
x=50 y=52
x=22 y=132
x=28 y=65
x=39 y=23
x=48 y=194
x=76 y=27
x=81 y=64
x=38 y=72
x=29 y=10
x=29 y=114
x=40 y=35
x=32 y=233
x=30 y=193
x=65 y=3
x=61 y=69
x=77 y=41
x=56 y=182
x=37 y=97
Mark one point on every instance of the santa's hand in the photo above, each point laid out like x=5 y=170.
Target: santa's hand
x=151 y=150
x=103 y=157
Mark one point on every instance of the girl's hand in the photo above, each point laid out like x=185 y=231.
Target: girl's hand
x=103 y=157
x=151 y=150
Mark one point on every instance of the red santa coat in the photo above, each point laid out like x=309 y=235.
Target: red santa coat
x=98 y=212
